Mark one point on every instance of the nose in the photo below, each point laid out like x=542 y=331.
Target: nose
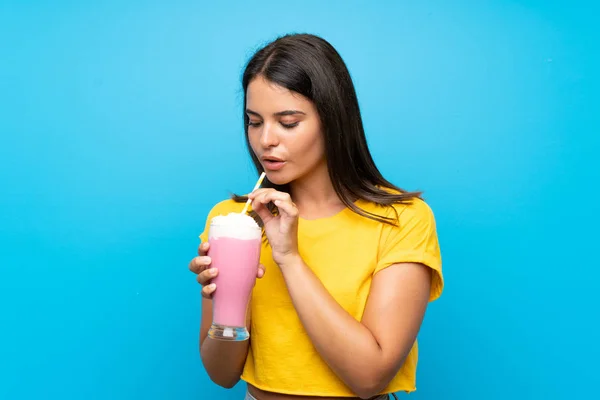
x=268 y=137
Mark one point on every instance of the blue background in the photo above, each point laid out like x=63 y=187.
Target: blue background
x=120 y=126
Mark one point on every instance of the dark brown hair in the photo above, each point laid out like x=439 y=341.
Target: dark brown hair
x=309 y=65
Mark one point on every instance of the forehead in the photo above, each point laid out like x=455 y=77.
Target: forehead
x=263 y=95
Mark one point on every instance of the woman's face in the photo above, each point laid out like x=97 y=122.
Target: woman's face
x=284 y=131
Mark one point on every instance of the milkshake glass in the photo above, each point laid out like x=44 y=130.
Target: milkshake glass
x=235 y=242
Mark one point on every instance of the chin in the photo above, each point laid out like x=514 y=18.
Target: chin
x=277 y=178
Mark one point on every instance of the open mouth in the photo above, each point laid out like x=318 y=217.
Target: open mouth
x=272 y=163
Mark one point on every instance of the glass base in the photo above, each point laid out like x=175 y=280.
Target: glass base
x=229 y=333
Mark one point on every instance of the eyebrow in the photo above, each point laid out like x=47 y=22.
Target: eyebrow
x=277 y=114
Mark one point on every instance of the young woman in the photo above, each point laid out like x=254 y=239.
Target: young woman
x=350 y=261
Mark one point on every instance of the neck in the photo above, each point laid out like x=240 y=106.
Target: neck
x=314 y=194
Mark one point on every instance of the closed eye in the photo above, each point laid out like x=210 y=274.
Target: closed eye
x=290 y=126
x=254 y=124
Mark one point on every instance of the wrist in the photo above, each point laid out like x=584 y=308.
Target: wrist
x=289 y=260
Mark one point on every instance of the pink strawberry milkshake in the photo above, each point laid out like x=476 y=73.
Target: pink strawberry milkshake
x=235 y=242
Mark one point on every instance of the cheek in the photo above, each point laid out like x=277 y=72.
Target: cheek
x=313 y=145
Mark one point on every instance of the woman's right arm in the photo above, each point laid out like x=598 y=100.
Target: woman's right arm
x=223 y=361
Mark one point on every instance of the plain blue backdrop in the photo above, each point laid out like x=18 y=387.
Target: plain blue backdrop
x=120 y=126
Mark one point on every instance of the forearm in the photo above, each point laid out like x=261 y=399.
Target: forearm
x=224 y=361
x=346 y=345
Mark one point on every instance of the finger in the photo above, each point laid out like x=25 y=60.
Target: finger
x=208 y=290
x=198 y=264
x=258 y=192
x=203 y=249
x=282 y=200
x=266 y=196
x=261 y=271
x=206 y=276
x=281 y=196
x=270 y=195
x=287 y=208
x=263 y=212
x=260 y=196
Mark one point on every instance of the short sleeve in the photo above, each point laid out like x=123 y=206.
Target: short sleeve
x=413 y=240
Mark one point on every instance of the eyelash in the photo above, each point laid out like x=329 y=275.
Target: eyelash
x=286 y=126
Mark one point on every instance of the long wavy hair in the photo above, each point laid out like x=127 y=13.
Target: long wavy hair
x=309 y=65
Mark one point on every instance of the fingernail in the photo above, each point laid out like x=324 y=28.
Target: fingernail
x=212 y=286
x=212 y=271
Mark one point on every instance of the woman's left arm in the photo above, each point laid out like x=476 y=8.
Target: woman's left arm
x=365 y=354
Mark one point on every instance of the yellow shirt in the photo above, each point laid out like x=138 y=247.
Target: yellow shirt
x=344 y=251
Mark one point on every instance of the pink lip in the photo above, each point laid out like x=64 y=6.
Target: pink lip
x=273 y=165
